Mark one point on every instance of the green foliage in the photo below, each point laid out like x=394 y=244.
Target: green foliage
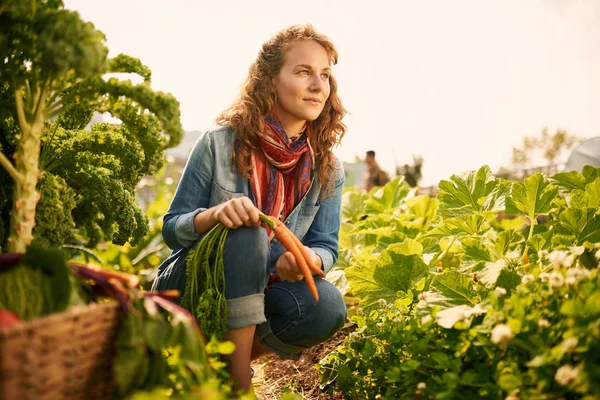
x=52 y=64
x=490 y=308
x=39 y=285
x=54 y=222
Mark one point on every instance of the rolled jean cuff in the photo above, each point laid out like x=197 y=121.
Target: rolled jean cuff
x=268 y=339
x=246 y=311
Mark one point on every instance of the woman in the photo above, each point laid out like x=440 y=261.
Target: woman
x=271 y=153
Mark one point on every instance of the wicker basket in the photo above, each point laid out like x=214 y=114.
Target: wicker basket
x=61 y=356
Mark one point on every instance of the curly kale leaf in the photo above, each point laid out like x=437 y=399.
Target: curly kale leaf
x=54 y=223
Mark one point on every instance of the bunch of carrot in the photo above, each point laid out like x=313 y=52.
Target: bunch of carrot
x=204 y=295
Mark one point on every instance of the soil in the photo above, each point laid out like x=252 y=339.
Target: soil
x=275 y=376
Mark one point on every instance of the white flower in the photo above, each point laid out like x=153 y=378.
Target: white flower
x=577 y=250
x=557 y=256
x=527 y=278
x=501 y=334
x=422 y=296
x=500 y=291
x=421 y=386
x=543 y=323
x=397 y=320
x=543 y=254
x=566 y=374
x=569 y=344
x=382 y=302
x=362 y=330
x=574 y=275
x=561 y=258
x=556 y=279
x=597 y=255
x=544 y=276
x=512 y=397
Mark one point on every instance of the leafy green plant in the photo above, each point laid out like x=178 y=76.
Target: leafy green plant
x=51 y=81
x=494 y=297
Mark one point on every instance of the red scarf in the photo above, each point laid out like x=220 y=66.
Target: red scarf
x=280 y=170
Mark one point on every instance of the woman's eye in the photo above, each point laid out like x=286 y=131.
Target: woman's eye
x=326 y=76
x=303 y=72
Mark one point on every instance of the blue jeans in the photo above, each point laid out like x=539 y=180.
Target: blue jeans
x=287 y=318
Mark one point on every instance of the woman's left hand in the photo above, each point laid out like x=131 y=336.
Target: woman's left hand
x=287 y=268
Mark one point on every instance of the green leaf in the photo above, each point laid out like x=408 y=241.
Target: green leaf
x=473 y=192
x=448 y=317
x=460 y=226
x=590 y=173
x=540 y=241
x=408 y=247
x=508 y=280
x=590 y=197
x=475 y=249
x=570 y=180
x=533 y=197
x=384 y=278
x=583 y=223
x=353 y=205
x=388 y=197
x=507 y=240
x=423 y=208
x=516 y=224
x=225 y=348
x=490 y=273
x=453 y=289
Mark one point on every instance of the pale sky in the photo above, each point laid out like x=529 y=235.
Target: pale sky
x=459 y=82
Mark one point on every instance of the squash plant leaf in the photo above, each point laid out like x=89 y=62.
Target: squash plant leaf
x=476 y=250
x=353 y=205
x=393 y=271
x=507 y=240
x=472 y=192
x=457 y=288
x=584 y=223
x=570 y=180
x=490 y=273
x=590 y=197
x=388 y=197
x=532 y=197
x=458 y=226
x=590 y=173
x=424 y=208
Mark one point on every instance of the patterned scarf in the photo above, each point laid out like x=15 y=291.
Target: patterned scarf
x=280 y=170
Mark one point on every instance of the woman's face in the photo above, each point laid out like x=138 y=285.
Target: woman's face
x=302 y=86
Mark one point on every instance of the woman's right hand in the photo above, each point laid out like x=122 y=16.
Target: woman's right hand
x=236 y=212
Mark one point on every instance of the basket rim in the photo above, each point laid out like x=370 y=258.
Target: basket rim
x=74 y=311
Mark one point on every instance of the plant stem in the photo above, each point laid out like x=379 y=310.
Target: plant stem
x=10 y=168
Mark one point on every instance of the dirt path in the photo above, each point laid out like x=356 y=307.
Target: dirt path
x=274 y=375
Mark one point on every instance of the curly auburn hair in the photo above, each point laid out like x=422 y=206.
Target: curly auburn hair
x=257 y=99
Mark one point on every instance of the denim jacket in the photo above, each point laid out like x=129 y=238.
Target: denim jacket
x=210 y=178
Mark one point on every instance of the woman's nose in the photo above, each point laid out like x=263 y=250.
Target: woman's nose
x=316 y=84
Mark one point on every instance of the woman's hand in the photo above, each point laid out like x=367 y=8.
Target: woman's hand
x=288 y=269
x=236 y=212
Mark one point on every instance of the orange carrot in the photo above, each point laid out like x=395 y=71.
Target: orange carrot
x=305 y=253
x=286 y=237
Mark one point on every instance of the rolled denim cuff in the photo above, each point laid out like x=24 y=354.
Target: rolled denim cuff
x=246 y=311
x=268 y=339
x=184 y=228
x=326 y=257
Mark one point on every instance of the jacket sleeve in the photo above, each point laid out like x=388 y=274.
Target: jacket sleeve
x=322 y=236
x=191 y=197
